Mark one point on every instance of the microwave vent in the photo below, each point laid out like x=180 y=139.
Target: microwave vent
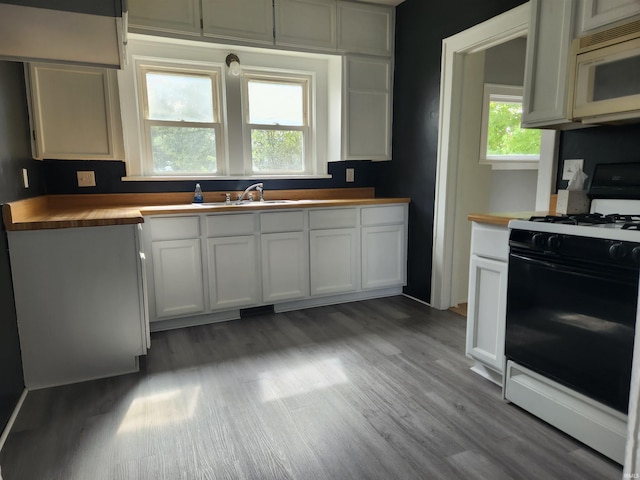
x=610 y=34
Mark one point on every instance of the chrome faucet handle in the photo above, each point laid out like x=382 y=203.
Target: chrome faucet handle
x=260 y=190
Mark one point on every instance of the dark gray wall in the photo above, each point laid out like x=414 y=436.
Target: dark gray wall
x=15 y=154
x=610 y=144
x=420 y=27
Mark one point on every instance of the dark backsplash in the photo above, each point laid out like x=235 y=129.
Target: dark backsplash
x=607 y=144
x=61 y=178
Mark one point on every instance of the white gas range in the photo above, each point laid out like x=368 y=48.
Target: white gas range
x=572 y=309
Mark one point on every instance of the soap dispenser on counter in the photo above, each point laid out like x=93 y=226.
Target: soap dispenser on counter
x=197 y=195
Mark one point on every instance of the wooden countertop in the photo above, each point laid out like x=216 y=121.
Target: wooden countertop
x=501 y=218
x=69 y=211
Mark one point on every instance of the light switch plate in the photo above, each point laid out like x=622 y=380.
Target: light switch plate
x=86 y=178
x=25 y=178
x=351 y=175
x=569 y=167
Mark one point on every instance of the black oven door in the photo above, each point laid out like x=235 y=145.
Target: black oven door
x=573 y=322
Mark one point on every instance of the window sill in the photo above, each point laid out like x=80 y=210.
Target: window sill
x=167 y=178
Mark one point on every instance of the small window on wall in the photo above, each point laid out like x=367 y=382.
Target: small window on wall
x=277 y=124
x=504 y=144
x=181 y=121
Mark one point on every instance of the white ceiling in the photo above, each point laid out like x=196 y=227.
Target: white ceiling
x=393 y=3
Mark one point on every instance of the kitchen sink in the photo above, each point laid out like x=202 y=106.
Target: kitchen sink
x=243 y=203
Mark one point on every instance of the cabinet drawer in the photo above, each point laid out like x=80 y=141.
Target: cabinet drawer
x=281 y=221
x=230 y=225
x=490 y=241
x=383 y=215
x=170 y=228
x=334 y=218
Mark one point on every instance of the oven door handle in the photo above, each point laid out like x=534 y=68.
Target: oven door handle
x=611 y=273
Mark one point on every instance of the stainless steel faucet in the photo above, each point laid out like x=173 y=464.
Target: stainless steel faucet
x=257 y=186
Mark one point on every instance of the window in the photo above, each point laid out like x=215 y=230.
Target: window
x=181 y=120
x=185 y=117
x=504 y=144
x=276 y=124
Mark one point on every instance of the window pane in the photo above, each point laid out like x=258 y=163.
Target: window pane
x=183 y=149
x=272 y=103
x=277 y=150
x=505 y=136
x=179 y=98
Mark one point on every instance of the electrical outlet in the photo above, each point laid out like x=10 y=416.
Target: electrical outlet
x=351 y=175
x=569 y=167
x=25 y=178
x=86 y=178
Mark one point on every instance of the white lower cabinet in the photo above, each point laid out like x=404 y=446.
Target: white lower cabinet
x=333 y=261
x=177 y=277
x=206 y=267
x=285 y=275
x=487 y=305
x=233 y=278
x=383 y=256
x=78 y=303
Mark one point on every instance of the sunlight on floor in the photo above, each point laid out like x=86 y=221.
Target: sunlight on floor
x=160 y=409
x=288 y=382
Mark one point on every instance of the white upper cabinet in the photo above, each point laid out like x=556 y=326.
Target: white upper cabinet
x=74 y=112
x=364 y=28
x=546 y=79
x=96 y=37
x=366 y=108
x=177 y=16
x=306 y=23
x=593 y=14
x=250 y=21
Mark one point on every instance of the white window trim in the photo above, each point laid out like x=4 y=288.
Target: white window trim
x=320 y=68
x=502 y=93
x=309 y=155
x=214 y=73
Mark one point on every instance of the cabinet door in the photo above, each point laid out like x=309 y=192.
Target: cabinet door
x=177 y=16
x=74 y=112
x=333 y=261
x=384 y=256
x=366 y=109
x=598 y=13
x=487 y=311
x=177 y=277
x=546 y=76
x=365 y=29
x=233 y=272
x=310 y=24
x=249 y=21
x=285 y=272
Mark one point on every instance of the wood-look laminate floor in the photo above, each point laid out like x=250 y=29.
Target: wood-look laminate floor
x=377 y=389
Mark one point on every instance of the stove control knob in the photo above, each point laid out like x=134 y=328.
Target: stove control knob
x=539 y=240
x=635 y=254
x=553 y=242
x=617 y=251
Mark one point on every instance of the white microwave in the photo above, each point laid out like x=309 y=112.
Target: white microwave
x=606 y=76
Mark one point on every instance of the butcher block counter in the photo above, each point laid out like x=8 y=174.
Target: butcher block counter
x=69 y=211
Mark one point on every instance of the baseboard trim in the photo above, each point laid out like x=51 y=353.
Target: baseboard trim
x=336 y=299
x=182 y=322
x=417 y=300
x=12 y=418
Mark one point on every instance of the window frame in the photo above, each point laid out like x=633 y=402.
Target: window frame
x=308 y=150
x=507 y=94
x=169 y=68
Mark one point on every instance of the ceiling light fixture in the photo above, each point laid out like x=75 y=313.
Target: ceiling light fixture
x=233 y=62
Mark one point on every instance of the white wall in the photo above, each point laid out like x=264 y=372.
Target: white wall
x=513 y=190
